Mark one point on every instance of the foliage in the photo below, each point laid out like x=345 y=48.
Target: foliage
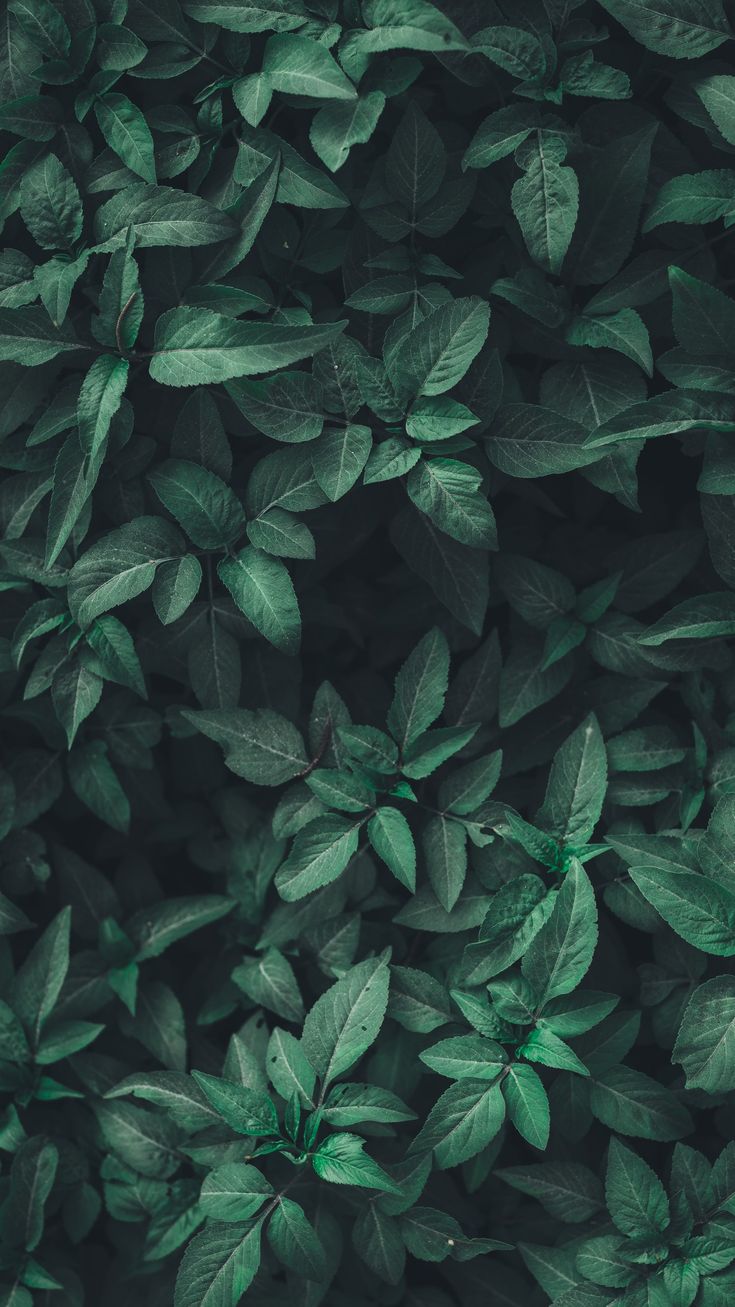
x=367 y=550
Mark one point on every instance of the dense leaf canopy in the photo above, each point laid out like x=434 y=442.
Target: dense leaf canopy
x=367 y=556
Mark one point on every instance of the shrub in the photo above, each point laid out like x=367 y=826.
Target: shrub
x=368 y=554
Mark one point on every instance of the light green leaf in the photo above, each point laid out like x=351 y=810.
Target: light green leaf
x=99 y=400
x=390 y=836
x=545 y=200
x=218 y=1266
x=705 y=1044
x=233 y=1192
x=449 y=493
x=161 y=215
x=635 y=1197
x=320 y=853
x=295 y=1242
x=345 y=1021
x=624 y=331
x=119 y=566
x=341 y=1159
x=560 y=955
x=463 y=1121
x=681 y=29
x=437 y=353
x=50 y=205
x=337 y=127
x=299 y=66
x=576 y=787
x=204 y=506
x=528 y=1104
x=697 y=197
x=195 y=346
x=338 y=458
x=127 y=133
x=262 y=589
x=420 y=689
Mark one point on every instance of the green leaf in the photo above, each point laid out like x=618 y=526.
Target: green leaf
x=195 y=346
x=352 y=1104
x=345 y=1021
x=299 y=66
x=120 y=301
x=415 y=162
x=463 y=1121
x=262 y=589
x=528 y=1104
x=610 y=205
x=320 y=853
x=682 y=29
x=29 y=337
x=248 y=16
x=631 y=1103
x=31 y=1180
x=75 y=693
x=127 y=133
x=390 y=836
x=218 y=1266
x=417 y=1001
x=671 y=413
x=448 y=492
x=545 y=200
x=717 y=93
x=233 y=1192
x=244 y=1110
x=704 y=318
x=281 y=533
x=466 y=1057
x=205 y=507
x=514 y=50
x=156 y=928
x=465 y=789
x=260 y=746
x=699 y=909
x=500 y=134
x=697 y=197
x=624 y=331
x=445 y=850
x=457 y=574
x=705 y=1044
x=269 y=980
x=576 y=789
x=438 y=419
x=288 y=1067
x=437 y=353
x=337 y=127
x=120 y=566
x=50 y=205
x=175 y=587
x=529 y=440
x=340 y=1159
x=420 y=689
x=295 y=1241
x=161 y=215
x=287 y=407
x=561 y=953
x=38 y=983
x=338 y=458
x=569 y=1191
x=703 y=618
x=96 y=784
x=99 y=400
x=635 y=1197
